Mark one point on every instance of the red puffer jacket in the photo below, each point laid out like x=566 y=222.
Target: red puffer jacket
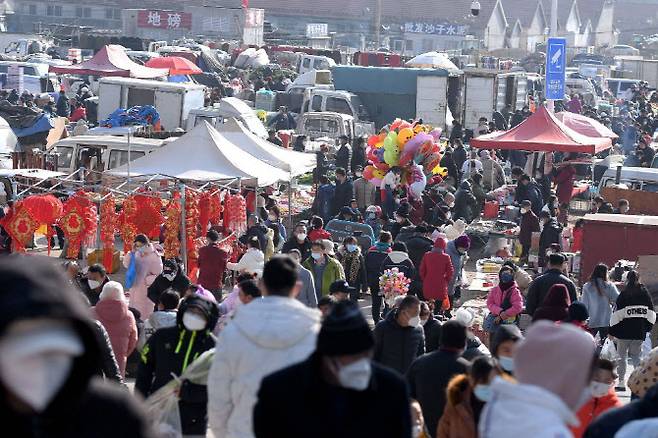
x=436 y=272
x=120 y=325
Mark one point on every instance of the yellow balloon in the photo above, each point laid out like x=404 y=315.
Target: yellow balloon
x=405 y=135
x=442 y=171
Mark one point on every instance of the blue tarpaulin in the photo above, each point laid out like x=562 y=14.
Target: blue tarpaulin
x=137 y=115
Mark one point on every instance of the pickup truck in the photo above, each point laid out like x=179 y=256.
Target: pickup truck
x=328 y=126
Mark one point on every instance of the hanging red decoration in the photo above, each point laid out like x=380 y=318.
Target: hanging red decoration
x=191 y=223
x=235 y=214
x=78 y=222
x=204 y=210
x=149 y=216
x=109 y=220
x=216 y=208
x=127 y=228
x=20 y=226
x=45 y=209
x=172 y=227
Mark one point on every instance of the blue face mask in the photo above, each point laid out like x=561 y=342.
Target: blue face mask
x=351 y=247
x=506 y=363
x=316 y=255
x=506 y=277
x=482 y=392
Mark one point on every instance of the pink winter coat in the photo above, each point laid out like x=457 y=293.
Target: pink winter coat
x=495 y=301
x=120 y=325
x=149 y=266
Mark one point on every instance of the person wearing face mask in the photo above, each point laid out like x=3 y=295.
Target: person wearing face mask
x=274 y=218
x=144 y=265
x=365 y=192
x=551 y=233
x=172 y=277
x=466 y=397
x=603 y=396
x=399 y=338
x=553 y=366
x=50 y=358
x=354 y=266
x=374 y=258
x=538 y=289
x=503 y=346
x=401 y=219
x=529 y=224
x=429 y=375
x=298 y=240
x=325 y=269
x=375 y=220
x=431 y=327
x=504 y=301
x=307 y=294
x=333 y=386
x=93 y=284
x=112 y=311
x=171 y=350
x=457 y=250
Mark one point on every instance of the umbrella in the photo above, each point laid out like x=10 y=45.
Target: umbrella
x=431 y=60
x=585 y=125
x=175 y=64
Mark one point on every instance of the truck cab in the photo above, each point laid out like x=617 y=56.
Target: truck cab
x=322 y=125
x=315 y=62
x=228 y=107
x=338 y=101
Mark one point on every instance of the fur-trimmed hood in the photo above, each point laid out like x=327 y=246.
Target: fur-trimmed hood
x=459 y=388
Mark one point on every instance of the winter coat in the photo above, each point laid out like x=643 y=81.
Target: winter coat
x=417 y=247
x=307 y=294
x=599 y=307
x=564 y=181
x=168 y=353
x=212 y=264
x=532 y=193
x=458 y=419
x=520 y=410
x=400 y=260
x=480 y=196
x=259 y=231
x=92 y=294
x=428 y=379
x=318 y=234
x=158 y=319
x=457 y=260
x=343 y=195
x=552 y=233
x=344 y=157
x=465 y=203
x=109 y=367
x=459 y=156
x=252 y=261
x=491 y=171
x=381 y=410
x=85 y=406
x=374 y=259
x=292 y=243
x=264 y=336
x=365 y=193
x=645 y=375
x=634 y=315
x=398 y=227
x=436 y=272
x=63 y=106
x=593 y=409
x=474 y=347
x=120 y=326
x=541 y=285
x=609 y=423
x=529 y=225
x=354 y=267
x=497 y=296
x=148 y=267
x=432 y=329
x=324 y=201
x=358 y=158
x=395 y=346
x=555 y=306
x=333 y=271
x=161 y=284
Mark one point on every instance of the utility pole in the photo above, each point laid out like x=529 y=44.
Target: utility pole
x=377 y=23
x=553 y=18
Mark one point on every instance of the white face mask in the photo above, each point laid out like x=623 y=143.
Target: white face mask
x=170 y=276
x=416 y=430
x=414 y=322
x=316 y=255
x=355 y=375
x=194 y=322
x=599 y=389
x=301 y=236
x=482 y=392
x=93 y=284
x=272 y=218
x=424 y=321
x=506 y=363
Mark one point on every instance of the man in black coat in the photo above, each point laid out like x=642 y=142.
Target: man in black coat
x=399 y=339
x=550 y=234
x=417 y=246
x=344 y=153
x=171 y=277
x=431 y=327
x=429 y=375
x=298 y=240
x=530 y=190
x=344 y=191
x=374 y=258
x=338 y=391
x=170 y=350
x=96 y=277
x=609 y=423
x=466 y=205
x=43 y=317
x=540 y=286
x=256 y=229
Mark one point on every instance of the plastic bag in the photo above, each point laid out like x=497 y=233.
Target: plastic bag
x=162 y=405
x=609 y=351
x=646 y=346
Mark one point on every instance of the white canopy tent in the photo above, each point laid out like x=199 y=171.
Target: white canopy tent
x=203 y=154
x=297 y=163
x=432 y=60
x=8 y=139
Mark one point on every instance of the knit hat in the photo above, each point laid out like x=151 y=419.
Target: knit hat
x=504 y=332
x=341 y=286
x=440 y=242
x=344 y=331
x=465 y=316
x=463 y=241
x=557 y=358
x=578 y=312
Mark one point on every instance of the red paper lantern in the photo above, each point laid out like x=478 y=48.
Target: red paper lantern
x=45 y=209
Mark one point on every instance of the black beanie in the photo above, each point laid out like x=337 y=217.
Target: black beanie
x=344 y=331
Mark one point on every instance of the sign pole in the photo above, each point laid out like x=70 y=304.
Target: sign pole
x=556 y=61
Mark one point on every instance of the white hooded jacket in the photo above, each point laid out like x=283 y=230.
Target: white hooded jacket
x=520 y=410
x=264 y=336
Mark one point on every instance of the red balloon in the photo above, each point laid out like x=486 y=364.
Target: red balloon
x=381 y=166
x=368 y=171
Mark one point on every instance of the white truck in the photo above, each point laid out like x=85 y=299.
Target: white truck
x=486 y=91
x=642 y=69
x=174 y=101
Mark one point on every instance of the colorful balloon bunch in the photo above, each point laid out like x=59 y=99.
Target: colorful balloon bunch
x=414 y=149
x=393 y=283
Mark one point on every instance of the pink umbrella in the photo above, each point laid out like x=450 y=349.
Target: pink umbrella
x=585 y=125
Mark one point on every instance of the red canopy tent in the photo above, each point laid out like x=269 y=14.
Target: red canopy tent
x=585 y=125
x=175 y=64
x=111 y=60
x=542 y=131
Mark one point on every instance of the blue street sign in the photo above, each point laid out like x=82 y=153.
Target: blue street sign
x=556 y=63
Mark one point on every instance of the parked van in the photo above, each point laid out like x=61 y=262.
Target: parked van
x=636 y=178
x=36 y=78
x=339 y=101
x=330 y=125
x=618 y=86
x=101 y=152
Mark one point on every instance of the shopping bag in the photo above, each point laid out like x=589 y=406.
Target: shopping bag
x=609 y=351
x=489 y=324
x=646 y=346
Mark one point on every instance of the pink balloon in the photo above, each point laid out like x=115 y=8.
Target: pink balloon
x=412 y=146
x=436 y=133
